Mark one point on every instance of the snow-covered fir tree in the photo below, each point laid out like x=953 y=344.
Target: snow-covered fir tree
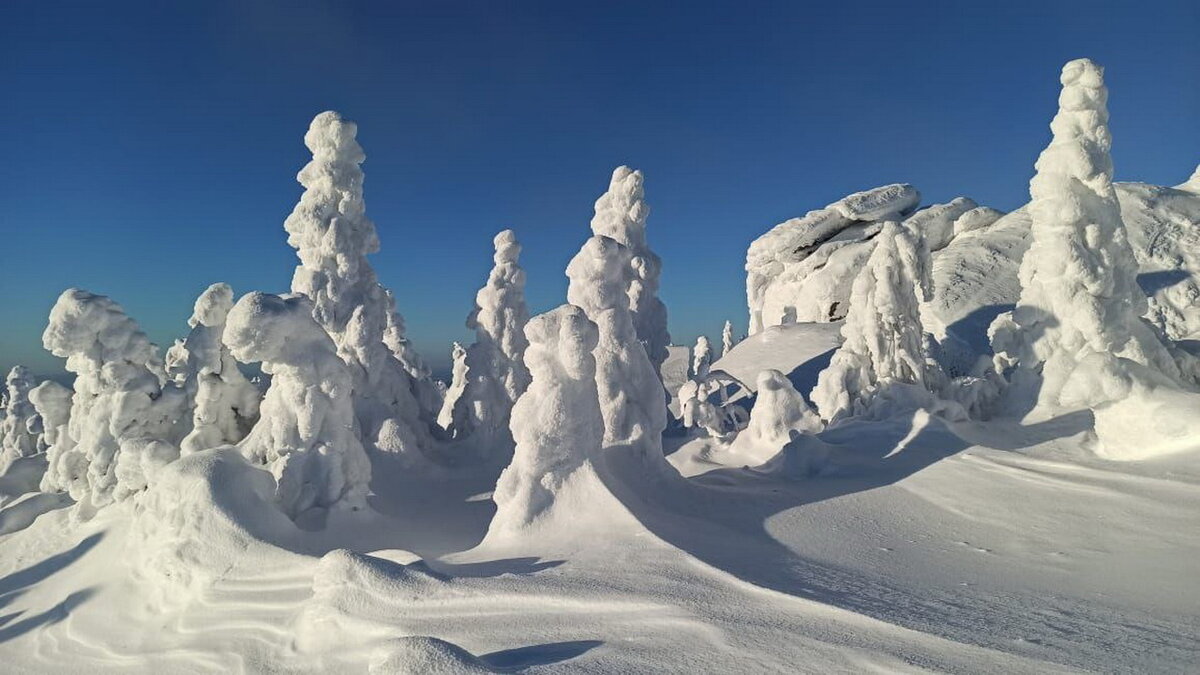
x=333 y=237
x=225 y=404
x=454 y=393
x=883 y=355
x=496 y=372
x=306 y=435
x=701 y=358
x=18 y=428
x=1080 y=302
x=727 y=340
x=621 y=214
x=53 y=404
x=778 y=411
x=557 y=422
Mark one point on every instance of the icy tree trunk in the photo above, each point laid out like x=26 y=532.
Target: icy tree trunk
x=333 y=236
x=307 y=433
x=621 y=214
x=1080 y=301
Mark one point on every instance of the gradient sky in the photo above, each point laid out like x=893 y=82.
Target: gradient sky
x=150 y=149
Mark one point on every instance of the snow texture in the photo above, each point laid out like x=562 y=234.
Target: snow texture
x=621 y=214
x=632 y=400
x=333 y=237
x=495 y=367
x=225 y=403
x=557 y=423
x=307 y=434
x=123 y=421
x=883 y=356
x=1080 y=303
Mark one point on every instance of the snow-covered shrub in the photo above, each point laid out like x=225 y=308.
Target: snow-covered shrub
x=883 y=357
x=1080 y=301
x=18 y=427
x=225 y=403
x=701 y=358
x=778 y=411
x=333 y=236
x=631 y=395
x=458 y=384
x=53 y=404
x=621 y=214
x=496 y=372
x=307 y=434
x=119 y=409
x=557 y=423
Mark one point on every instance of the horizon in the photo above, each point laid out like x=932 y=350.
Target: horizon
x=133 y=182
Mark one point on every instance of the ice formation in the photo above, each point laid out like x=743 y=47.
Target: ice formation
x=884 y=353
x=701 y=358
x=621 y=214
x=458 y=384
x=778 y=411
x=307 y=433
x=1080 y=302
x=53 y=404
x=19 y=425
x=225 y=403
x=123 y=421
x=557 y=423
x=631 y=395
x=727 y=340
x=495 y=366
x=333 y=236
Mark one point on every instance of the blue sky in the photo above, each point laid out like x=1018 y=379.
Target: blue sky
x=150 y=149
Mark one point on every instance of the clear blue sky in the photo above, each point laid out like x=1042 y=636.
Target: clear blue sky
x=150 y=149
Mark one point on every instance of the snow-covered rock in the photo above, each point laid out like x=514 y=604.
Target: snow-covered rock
x=333 y=237
x=307 y=433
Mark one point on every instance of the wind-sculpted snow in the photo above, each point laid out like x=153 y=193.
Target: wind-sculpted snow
x=123 y=423
x=307 y=434
x=20 y=426
x=333 y=236
x=621 y=214
x=495 y=368
x=225 y=403
x=557 y=423
x=632 y=399
x=779 y=410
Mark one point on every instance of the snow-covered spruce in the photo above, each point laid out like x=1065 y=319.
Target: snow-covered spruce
x=701 y=358
x=225 y=404
x=53 y=404
x=557 y=423
x=621 y=214
x=19 y=435
x=778 y=411
x=123 y=421
x=727 y=340
x=458 y=384
x=1080 y=301
x=496 y=372
x=333 y=236
x=632 y=401
x=307 y=434
x=883 y=358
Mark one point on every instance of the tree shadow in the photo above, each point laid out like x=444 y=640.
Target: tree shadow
x=1153 y=282
x=494 y=568
x=516 y=660
x=51 y=616
x=14 y=584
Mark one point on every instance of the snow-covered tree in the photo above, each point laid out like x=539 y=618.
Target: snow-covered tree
x=778 y=411
x=53 y=404
x=225 y=403
x=333 y=237
x=727 y=340
x=306 y=434
x=883 y=355
x=18 y=435
x=124 y=423
x=701 y=358
x=631 y=395
x=458 y=384
x=621 y=214
x=496 y=372
x=557 y=423
x=1080 y=301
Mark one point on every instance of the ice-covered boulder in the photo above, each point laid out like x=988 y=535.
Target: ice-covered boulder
x=124 y=422
x=307 y=432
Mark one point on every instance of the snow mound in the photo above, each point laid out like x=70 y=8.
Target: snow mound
x=1151 y=417
x=421 y=655
x=779 y=410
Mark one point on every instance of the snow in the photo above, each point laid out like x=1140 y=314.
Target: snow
x=307 y=434
x=451 y=407
x=779 y=410
x=727 y=340
x=20 y=425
